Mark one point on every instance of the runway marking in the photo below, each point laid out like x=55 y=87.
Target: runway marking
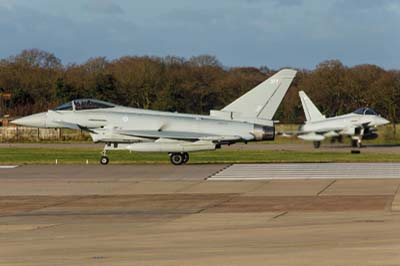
x=308 y=171
x=8 y=166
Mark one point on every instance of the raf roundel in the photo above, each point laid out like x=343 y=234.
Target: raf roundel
x=125 y=118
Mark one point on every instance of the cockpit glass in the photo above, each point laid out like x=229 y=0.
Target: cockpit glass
x=64 y=107
x=88 y=104
x=370 y=112
x=365 y=111
x=84 y=104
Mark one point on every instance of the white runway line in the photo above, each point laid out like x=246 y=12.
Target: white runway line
x=8 y=166
x=308 y=171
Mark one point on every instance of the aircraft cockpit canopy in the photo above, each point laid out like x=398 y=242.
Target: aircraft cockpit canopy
x=64 y=107
x=84 y=104
x=365 y=111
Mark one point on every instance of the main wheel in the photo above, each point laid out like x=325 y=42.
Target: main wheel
x=104 y=160
x=317 y=144
x=177 y=158
x=185 y=157
x=355 y=143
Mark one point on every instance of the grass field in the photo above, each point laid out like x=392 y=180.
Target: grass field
x=79 y=156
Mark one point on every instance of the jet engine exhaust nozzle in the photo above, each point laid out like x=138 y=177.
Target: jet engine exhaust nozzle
x=264 y=132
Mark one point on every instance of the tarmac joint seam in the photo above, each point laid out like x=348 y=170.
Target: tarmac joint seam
x=216 y=204
x=326 y=187
x=180 y=190
x=280 y=215
x=396 y=195
x=32 y=211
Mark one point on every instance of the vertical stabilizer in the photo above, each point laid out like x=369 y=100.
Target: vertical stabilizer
x=310 y=110
x=263 y=101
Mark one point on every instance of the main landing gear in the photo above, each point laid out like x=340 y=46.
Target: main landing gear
x=179 y=158
x=175 y=158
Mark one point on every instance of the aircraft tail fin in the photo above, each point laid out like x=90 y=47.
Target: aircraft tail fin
x=263 y=101
x=310 y=110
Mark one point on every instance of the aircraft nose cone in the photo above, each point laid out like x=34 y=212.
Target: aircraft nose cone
x=36 y=120
x=382 y=121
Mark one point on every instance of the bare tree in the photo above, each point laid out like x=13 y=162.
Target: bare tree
x=204 y=60
x=37 y=58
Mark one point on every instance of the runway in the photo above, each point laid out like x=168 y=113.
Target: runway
x=168 y=215
x=308 y=171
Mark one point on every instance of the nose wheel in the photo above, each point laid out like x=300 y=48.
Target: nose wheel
x=179 y=158
x=104 y=160
x=317 y=144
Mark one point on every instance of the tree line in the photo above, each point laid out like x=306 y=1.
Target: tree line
x=39 y=81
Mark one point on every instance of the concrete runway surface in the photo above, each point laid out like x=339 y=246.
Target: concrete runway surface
x=167 y=215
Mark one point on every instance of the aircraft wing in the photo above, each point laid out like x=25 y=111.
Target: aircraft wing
x=321 y=131
x=178 y=135
x=305 y=135
x=312 y=135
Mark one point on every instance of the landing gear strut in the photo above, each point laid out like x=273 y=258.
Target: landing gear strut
x=317 y=144
x=179 y=158
x=356 y=143
x=104 y=158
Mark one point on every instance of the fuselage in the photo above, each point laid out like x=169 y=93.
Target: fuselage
x=108 y=122
x=344 y=124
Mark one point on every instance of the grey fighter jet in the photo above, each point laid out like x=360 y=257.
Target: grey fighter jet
x=249 y=118
x=358 y=125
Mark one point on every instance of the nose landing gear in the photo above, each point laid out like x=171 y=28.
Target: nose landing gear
x=104 y=160
x=356 y=143
x=317 y=144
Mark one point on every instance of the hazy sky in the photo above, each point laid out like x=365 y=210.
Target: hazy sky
x=275 y=33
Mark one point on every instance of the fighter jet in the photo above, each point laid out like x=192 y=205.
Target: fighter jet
x=249 y=118
x=358 y=125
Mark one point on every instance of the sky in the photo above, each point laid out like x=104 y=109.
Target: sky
x=272 y=33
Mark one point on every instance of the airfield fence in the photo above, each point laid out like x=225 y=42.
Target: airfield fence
x=25 y=134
